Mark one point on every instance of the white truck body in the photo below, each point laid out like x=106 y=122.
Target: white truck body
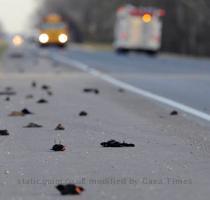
x=138 y=29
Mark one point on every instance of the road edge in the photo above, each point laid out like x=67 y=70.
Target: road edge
x=105 y=77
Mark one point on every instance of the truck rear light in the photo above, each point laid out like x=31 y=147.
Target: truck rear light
x=147 y=18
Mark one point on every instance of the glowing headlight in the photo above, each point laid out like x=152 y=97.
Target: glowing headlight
x=43 y=38
x=17 y=40
x=63 y=38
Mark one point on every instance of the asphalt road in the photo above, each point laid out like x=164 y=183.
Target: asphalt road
x=170 y=159
x=185 y=80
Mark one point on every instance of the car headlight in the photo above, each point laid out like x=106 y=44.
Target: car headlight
x=43 y=38
x=17 y=40
x=63 y=38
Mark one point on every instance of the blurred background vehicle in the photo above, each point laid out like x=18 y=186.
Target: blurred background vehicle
x=17 y=40
x=15 y=43
x=138 y=28
x=53 y=31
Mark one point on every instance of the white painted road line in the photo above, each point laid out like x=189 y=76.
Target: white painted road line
x=126 y=86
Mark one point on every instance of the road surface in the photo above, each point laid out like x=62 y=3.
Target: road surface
x=170 y=159
x=185 y=80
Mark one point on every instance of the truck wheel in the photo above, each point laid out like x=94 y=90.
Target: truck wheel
x=152 y=53
x=122 y=51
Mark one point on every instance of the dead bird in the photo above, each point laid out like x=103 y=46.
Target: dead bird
x=91 y=90
x=42 y=101
x=83 y=114
x=114 y=143
x=21 y=113
x=33 y=125
x=69 y=189
x=7 y=93
x=25 y=111
x=33 y=84
x=59 y=127
x=4 y=133
x=58 y=147
x=174 y=112
x=87 y=90
x=16 y=114
x=45 y=87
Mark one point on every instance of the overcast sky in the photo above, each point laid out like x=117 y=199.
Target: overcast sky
x=15 y=15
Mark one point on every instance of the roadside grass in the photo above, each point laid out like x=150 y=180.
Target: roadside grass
x=3 y=47
x=96 y=46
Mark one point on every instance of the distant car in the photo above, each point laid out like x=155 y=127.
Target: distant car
x=139 y=29
x=16 y=43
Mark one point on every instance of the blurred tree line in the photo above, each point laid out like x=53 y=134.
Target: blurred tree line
x=186 y=24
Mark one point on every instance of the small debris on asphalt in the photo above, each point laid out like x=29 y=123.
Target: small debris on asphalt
x=16 y=55
x=25 y=111
x=83 y=114
x=174 y=112
x=7 y=99
x=58 y=147
x=33 y=125
x=16 y=114
x=30 y=96
x=59 y=127
x=49 y=93
x=69 y=189
x=114 y=143
x=96 y=91
x=6 y=172
x=42 y=101
x=45 y=87
x=121 y=90
x=8 y=89
x=4 y=133
x=33 y=84
x=91 y=90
